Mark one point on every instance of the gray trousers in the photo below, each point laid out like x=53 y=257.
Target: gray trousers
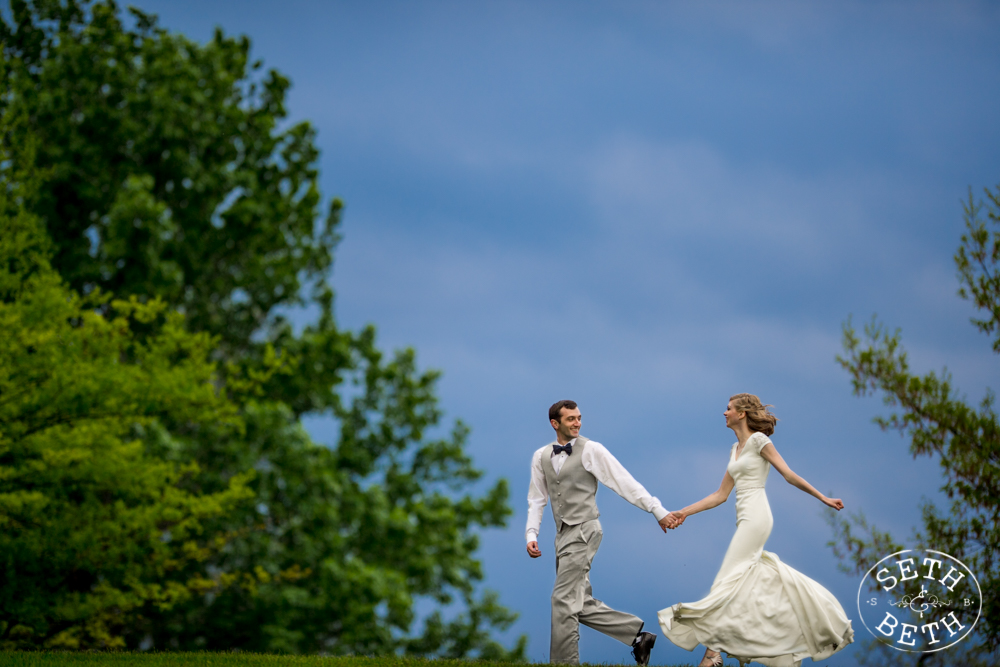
x=572 y=599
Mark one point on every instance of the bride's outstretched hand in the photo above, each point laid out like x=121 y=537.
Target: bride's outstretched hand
x=835 y=503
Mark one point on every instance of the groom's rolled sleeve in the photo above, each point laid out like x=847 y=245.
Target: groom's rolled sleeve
x=538 y=497
x=599 y=462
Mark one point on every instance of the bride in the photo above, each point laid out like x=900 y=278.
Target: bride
x=758 y=608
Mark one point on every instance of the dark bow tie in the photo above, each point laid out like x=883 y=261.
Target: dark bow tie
x=568 y=448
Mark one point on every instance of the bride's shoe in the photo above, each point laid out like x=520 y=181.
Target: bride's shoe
x=713 y=659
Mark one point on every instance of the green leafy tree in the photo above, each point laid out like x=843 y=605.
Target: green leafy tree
x=94 y=532
x=356 y=551
x=168 y=171
x=165 y=172
x=965 y=439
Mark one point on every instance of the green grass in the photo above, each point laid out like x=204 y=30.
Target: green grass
x=121 y=659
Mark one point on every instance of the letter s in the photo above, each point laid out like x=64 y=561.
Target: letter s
x=882 y=576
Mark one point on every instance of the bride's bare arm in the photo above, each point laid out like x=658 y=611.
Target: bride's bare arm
x=706 y=503
x=771 y=455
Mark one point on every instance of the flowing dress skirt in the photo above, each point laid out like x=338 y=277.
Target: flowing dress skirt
x=758 y=608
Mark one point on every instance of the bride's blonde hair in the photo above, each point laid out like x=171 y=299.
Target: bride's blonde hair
x=759 y=418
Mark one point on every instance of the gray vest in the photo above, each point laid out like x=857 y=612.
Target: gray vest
x=574 y=490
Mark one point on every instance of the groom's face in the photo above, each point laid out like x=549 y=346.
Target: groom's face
x=568 y=425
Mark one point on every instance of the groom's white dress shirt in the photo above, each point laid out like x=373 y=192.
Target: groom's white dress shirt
x=599 y=462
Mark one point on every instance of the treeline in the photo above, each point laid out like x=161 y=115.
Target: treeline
x=157 y=488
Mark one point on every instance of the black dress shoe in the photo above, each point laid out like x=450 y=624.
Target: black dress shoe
x=641 y=647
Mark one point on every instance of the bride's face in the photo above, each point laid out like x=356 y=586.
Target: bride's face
x=732 y=415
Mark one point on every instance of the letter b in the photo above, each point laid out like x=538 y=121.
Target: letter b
x=885 y=622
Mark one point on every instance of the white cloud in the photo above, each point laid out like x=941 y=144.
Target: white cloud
x=661 y=196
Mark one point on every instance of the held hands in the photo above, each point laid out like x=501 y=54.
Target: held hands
x=672 y=520
x=835 y=503
x=533 y=550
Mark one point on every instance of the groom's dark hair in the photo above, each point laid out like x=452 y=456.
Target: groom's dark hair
x=558 y=406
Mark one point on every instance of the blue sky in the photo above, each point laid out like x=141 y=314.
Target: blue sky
x=648 y=207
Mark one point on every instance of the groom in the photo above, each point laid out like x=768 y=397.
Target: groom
x=568 y=470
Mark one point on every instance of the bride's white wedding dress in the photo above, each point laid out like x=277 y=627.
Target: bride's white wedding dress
x=759 y=609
